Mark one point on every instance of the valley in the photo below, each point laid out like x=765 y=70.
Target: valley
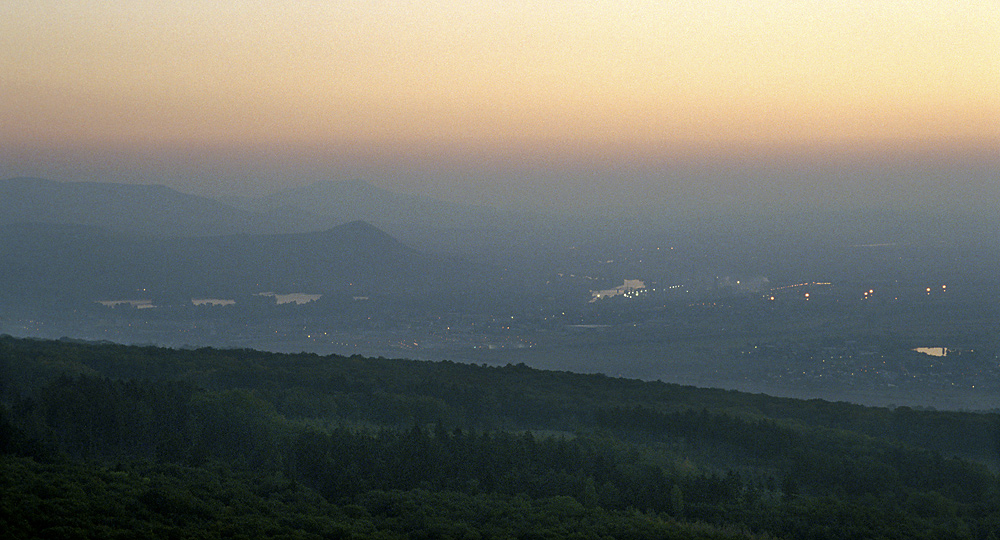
x=826 y=306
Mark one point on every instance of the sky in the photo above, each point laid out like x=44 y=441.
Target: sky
x=772 y=103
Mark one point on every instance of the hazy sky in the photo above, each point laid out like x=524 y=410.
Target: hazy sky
x=506 y=103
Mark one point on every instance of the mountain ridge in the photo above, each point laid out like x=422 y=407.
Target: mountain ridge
x=152 y=209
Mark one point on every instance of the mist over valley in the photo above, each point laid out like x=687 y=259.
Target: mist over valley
x=822 y=304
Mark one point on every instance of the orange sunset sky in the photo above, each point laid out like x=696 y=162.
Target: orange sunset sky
x=511 y=103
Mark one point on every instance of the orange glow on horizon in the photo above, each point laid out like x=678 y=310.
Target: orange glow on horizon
x=554 y=103
x=602 y=74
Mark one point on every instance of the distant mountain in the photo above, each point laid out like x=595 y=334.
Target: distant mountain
x=358 y=200
x=354 y=256
x=141 y=209
x=428 y=223
x=47 y=261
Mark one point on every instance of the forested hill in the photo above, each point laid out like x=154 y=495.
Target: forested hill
x=100 y=440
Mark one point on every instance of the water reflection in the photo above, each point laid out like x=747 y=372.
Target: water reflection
x=933 y=351
x=296 y=298
x=138 y=304
x=212 y=301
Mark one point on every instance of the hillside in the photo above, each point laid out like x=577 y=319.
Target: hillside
x=108 y=439
x=39 y=261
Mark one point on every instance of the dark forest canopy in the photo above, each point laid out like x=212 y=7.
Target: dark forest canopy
x=104 y=439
